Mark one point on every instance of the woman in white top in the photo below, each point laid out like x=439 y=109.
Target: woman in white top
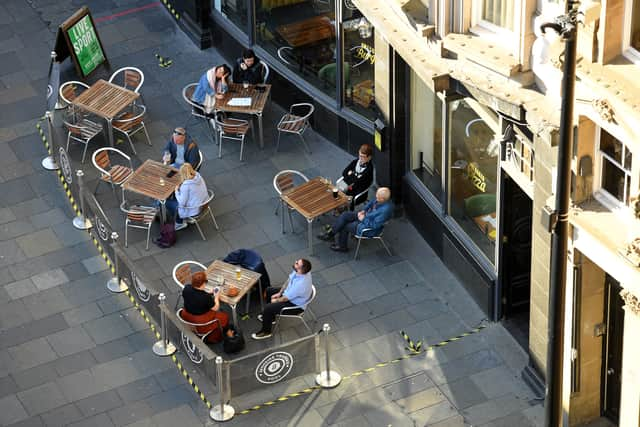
x=190 y=195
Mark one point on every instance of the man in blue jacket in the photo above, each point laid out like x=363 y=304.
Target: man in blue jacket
x=372 y=217
x=176 y=152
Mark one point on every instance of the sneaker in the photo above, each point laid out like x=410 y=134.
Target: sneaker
x=180 y=226
x=338 y=248
x=261 y=335
x=260 y=319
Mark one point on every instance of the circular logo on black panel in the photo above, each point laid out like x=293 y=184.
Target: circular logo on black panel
x=140 y=288
x=275 y=367
x=101 y=228
x=65 y=165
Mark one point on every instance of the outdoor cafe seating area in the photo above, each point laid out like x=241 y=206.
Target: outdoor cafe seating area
x=108 y=123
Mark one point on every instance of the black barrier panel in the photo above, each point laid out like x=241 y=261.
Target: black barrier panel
x=101 y=225
x=272 y=366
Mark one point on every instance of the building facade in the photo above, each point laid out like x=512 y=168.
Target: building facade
x=465 y=97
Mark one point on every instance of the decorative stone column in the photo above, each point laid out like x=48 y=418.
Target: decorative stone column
x=630 y=393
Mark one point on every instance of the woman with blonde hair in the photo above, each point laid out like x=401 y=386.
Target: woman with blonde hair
x=190 y=194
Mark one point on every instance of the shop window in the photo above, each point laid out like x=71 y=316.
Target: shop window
x=359 y=62
x=474 y=155
x=425 y=124
x=615 y=173
x=499 y=13
x=301 y=35
x=234 y=10
x=632 y=30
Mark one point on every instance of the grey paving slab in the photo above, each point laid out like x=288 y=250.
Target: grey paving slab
x=73 y=363
x=69 y=341
x=21 y=288
x=95 y=264
x=130 y=413
x=494 y=409
x=62 y=416
x=107 y=328
x=39 y=243
x=33 y=377
x=101 y=402
x=10 y=253
x=14 y=229
x=7 y=386
x=41 y=399
x=31 y=330
x=79 y=385
x=434 y=414
x=11 y=410
x=13 y=314
x=32 y=353
x=363 y=288
x=463 y=393
x=49 y=279
x=46 y=303
x=143 y=388
x=83 y=313
x=100 y=420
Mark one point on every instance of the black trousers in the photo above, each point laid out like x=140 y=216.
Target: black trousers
x=272 y=309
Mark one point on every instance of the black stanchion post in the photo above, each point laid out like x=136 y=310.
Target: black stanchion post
x=114 y=284
x=221 y=412
x=163 y=347
x=328 y=378
x=81 y=222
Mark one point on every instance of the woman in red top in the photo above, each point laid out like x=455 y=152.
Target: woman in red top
x=201 y=306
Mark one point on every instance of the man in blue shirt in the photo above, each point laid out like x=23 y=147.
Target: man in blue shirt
x=295 y=293
x=372 y=217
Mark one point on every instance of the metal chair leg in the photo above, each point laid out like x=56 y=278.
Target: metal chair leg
x=220 y=145
x=357 y=249
x=131 y=144
x=214 y=219
x=306 y=147
x=241 y=147
x=126 y=235
x=385 y=246
x=144 y=128
x=148 y=235
x=278 y=141
x=200 y=230
x=291 y=221
x=84 y=152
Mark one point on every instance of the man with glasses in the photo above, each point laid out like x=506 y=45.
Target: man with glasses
x=176 y=152
x=295 y=293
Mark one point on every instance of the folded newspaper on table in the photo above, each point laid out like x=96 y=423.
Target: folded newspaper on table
x=240 y=102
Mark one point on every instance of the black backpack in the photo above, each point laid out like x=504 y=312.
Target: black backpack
x=235 y=343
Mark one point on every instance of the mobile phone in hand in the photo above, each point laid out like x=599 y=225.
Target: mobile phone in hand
x=171 y=173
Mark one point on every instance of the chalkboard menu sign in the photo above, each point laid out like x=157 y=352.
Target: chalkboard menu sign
x=78 y=38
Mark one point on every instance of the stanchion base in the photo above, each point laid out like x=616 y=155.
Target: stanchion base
x=49 y=163
x=222 y=414
x=116 y=286
x=331 y=382
x=81 y=223
x=159 y=349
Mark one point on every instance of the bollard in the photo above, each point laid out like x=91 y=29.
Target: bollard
x=163 y=347
x=328 y=378
x=81 y=222
x=114 y=284
x=49 y=162
x=221 y=412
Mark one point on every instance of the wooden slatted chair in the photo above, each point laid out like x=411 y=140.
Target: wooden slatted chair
x=284 y=181
x=296 y=124
x=81 y=129
x=234 y=129
x=131 y=122
x=190 y=348
x=182 y=272
x=132 y=78
x=70 y=91
x=140 y=217
x=114 y=174
x=196 y=110
x=205 y=209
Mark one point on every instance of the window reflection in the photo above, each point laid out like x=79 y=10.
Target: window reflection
x=359 y=61
x=426 y=135
x=499 y=12
x=301 y=34
x=474 y=160
x=635 y=25
x=616 y=175
x=234 y=10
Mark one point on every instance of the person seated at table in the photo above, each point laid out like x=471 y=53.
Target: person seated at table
x=179 y=152
x=248 y=68
x=201 y=306
x=295 y=293
x=358 y=175
x=213 y=82
x=190 y=194
x=373 y=216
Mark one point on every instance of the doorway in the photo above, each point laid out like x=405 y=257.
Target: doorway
x=612 y=350
x=515 y=265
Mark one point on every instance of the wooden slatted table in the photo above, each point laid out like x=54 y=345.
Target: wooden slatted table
x=227 y=271
x=312 y=199
x=105 y=100
x=258 y=102
x=151 y=180
x=306 y=32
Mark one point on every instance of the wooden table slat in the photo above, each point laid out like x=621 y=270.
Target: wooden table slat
x=228 y=271
x=314 y=198
x=105 y=99
x=258 y=99
x=146 y=180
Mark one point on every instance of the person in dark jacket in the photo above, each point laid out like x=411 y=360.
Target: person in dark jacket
x=248 y=69
x=201 y=306
x=358 y=175
x=179 y=152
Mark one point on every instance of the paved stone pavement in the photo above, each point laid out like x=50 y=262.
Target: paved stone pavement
x=71 y=353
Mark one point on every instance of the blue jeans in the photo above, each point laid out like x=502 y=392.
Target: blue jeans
x=346 y=223
x=171 y=205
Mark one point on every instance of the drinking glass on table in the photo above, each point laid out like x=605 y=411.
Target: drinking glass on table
x=238 y=274
x=166 y=157
x=245 y=85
